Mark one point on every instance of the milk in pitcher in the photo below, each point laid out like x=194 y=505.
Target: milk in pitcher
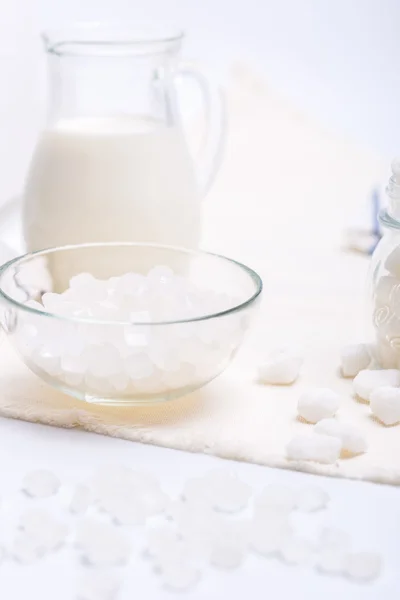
x=104 y=180
x=121 y=179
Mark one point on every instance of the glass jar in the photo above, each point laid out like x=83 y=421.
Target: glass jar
x=385 y=278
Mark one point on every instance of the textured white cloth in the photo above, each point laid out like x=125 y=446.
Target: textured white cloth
x=280 y=204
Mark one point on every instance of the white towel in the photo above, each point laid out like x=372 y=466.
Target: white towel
x=280 y=204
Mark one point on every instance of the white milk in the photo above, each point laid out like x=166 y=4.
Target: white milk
x=112 y=179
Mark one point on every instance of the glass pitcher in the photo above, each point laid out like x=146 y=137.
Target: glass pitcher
x=112 y=163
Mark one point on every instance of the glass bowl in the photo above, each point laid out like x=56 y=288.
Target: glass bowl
x=126 y=361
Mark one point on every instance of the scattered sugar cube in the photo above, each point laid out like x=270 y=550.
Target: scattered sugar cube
x=331 y=537
x=162 y=541
x=331 y=560
x=98 y=586
x=392 y=263
x=281 y=368
x=311 y=499
x=53 y=536
x=226 y=556
x=47 y=532
x=197 y=490
x=198 y=527
x=26 y=550
x=334 y=544
x=313 y=446
x=179 y=576
x=317 y=404
x=154 y=501
x=128 y=496
x=196 y=522
x=352 y=440
x=227 y=493
x=40 y=484
x=296 y=550
x=368 y=381
x=219 y=489
x=385 y=404
x=80 y=500
x=111 y=554
x=275 y=498
x=268 y=535
x=232 y=500
x=124 y=509
x=175 y=509
x=102 y=544
x=230 y=542
x=355 y=358
x=363 y=566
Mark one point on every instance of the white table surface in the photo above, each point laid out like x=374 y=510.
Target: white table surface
x=369 y=512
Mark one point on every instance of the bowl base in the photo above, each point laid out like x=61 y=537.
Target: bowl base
x=129 y=401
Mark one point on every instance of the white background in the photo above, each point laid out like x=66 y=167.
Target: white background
x=337 y=60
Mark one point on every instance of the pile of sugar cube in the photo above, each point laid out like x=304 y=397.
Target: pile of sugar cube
x=124 y=349
x=216 y=521
x=376 y=386
x=331 y=438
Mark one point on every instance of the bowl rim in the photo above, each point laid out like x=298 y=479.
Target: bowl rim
x=93 y=321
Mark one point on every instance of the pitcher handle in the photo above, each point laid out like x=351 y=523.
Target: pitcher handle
x=212 y=148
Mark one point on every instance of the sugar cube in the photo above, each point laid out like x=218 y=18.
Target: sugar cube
x=315 y=447
x=385 y=404
x=363 y=566
x=317 y=404
x=352 y=440
x=282 y=367
x=367 y=381
x=355 y=358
